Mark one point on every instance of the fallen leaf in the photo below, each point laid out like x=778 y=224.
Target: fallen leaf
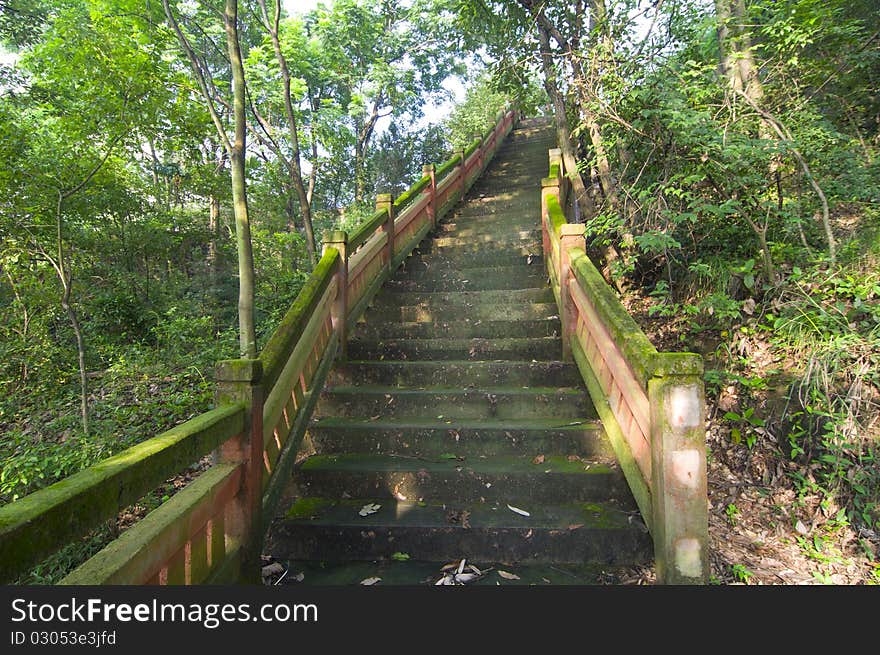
x=517 y=510
x=508 y=576
x=400 y=557
x=369 y=508
x=800 y=527
x=370 y=581
x=538 y=460
x=299 y=577
x=575 y=526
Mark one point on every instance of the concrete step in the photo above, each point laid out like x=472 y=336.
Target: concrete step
x=478 y=279
x=424 y=260
x=495 y=235
x=459 y=302
x=455 y=374
x=485 y=223
x=410 y=572
x=457 y=329
x=430 y=437
x=564 y=533
x=453 y=403
x=500 y=479
x=490 y=312
x=474 y=349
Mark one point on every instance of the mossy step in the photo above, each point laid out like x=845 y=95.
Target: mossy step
x=487 y=402
x=518 y=207
x=476 y=349
x=450 y=260
x=565 y=533
x=488 y=283
x=497 y=230
x=410 y=572
x=468 y=249
x=425 y=271
x=496 y=238
x=489 y=312
x=487 y=223
x=457 y=301
x=458 y=329
x=479 y=279
x=456 y=374
x=498 y=479
x=430 y=437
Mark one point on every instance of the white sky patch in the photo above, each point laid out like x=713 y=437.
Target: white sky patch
x=433 y=114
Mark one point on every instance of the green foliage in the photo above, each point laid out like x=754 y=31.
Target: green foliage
x=477 y=113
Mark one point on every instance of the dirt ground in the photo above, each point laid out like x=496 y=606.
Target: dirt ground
x=762 y=530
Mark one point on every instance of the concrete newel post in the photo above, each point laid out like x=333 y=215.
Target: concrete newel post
x=428 y=169
x=570 y=236
x=479 y=151
x=678 y=485
x=555 y=157
x=240 y=381
x=339 y=311
x=385 y=201
x=549 y=187
x=461 y=160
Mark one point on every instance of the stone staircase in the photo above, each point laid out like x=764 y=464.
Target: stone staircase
x=454 y=416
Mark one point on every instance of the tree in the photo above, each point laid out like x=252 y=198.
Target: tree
x=236 y=148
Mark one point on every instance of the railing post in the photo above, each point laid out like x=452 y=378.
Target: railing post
x=570 y=236
x=479 y=137
x=240 y=380
x=385 y=201
x=339 y=311
x=428 y=169
x=678 y=471
x=461 y=160
x=549 y=187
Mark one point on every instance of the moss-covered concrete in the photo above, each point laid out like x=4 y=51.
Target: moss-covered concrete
x=279 y=346
x=308 y=508
x=43 y=521
x=366 y=230
x=140 y=551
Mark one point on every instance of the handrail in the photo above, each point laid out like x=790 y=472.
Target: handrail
x=212 y=530
x=652 y=404
x=38 y=524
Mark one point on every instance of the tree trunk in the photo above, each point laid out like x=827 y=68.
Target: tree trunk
x=66 y=280
x=247 y=329
x=295 y=168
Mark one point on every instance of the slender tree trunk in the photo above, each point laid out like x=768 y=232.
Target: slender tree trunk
x=247 y=329
x=295 y=168
x=360 y=153
x=214 y=230
x=66 y=280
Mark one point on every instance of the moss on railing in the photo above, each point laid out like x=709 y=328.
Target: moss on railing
x=281 y=343
x=638 y=350
x=408 y=196
x=37 y=525
x=446 y=167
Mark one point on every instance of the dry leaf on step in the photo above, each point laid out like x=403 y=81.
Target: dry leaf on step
x=508 y=576
x=538 y=460
x=370 y=581
x=369 y=508
x=517 y=510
